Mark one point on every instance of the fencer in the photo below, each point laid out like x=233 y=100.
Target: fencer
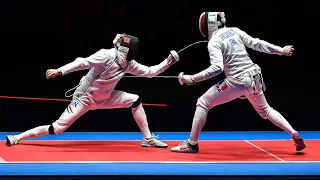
x=227 y=52
x=96 y=88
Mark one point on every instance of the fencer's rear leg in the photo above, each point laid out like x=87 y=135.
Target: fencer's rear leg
x=298 y=142
x=68 y=117
x=32 y=133
x=260 y=104
x=11 y=140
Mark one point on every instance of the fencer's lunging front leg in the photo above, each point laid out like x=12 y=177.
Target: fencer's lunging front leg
x=198 y=122
x=221 y=93
x=71 y=114
x=140 y=117
x=121 y=99
x=191 y=145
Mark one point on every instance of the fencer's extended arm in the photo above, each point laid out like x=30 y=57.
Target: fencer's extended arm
x=216 y=61
x=258 y=44
x=138 y=69
x=84 y=63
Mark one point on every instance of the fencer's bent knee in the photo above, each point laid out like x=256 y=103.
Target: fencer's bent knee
x=51 y=130
x=57 y=128
x=136 y=103
x=203 y=103
x=264 y=111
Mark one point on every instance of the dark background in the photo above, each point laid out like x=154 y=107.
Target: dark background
x=38 y=35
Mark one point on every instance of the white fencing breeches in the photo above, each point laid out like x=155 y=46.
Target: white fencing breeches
x=118 y=99
x=232 y=88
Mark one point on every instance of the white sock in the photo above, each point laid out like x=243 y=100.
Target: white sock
x=34 y=133
x=140 y=117
x=277 y=119
x=199 y=120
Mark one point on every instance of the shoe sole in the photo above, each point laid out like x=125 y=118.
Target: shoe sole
x=154 y=146
x=185 y=151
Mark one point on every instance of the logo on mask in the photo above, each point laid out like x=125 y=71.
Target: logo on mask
x=212 y=19
x=126 y=40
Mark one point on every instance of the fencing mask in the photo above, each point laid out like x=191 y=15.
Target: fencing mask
x=128 y=45
x=210 y=22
